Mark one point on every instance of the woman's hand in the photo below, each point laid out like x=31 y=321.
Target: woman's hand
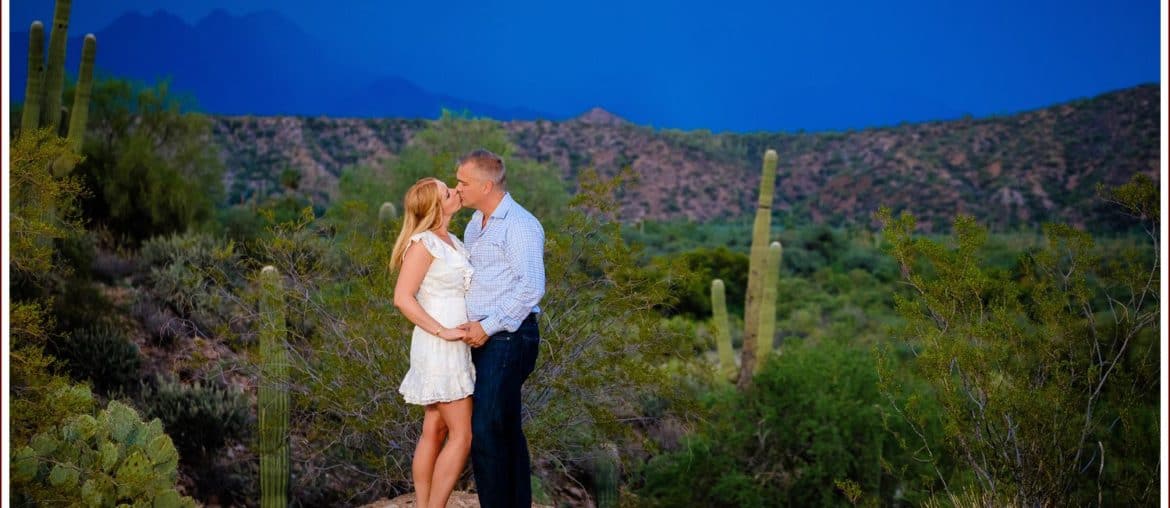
x=452 y=334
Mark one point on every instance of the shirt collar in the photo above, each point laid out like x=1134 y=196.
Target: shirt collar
x=501 y=211
x=505 y=206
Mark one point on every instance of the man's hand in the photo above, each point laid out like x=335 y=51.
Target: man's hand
x=474 y=334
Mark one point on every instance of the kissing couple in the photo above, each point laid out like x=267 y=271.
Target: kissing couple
x=474 y=305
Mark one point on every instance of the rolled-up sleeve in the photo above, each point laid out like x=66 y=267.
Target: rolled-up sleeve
x=524 y=254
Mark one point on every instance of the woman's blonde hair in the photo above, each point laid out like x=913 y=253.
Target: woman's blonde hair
x=422 y=211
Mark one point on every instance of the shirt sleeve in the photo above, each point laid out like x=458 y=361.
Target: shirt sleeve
x=524 y=253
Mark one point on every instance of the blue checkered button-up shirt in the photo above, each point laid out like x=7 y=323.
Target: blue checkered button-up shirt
x=508 y=257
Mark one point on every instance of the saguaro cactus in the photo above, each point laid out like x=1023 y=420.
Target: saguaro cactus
x=273 y=400
x=722 y=330
x=607 y=484
x=606 y=476
x=42 y=95
x=759 y=258
x=759 y=322
x=387 y=212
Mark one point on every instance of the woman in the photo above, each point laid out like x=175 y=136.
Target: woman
x=434 y=273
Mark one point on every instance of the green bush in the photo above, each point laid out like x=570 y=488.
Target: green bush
x=162 y=251
x=77 y=303
x=241 y=224
x=76 y=254
x=193 y=275
x=1056 y=353
x=100 y=354
x=812 y=417
x=113 y=458
x=873 y=261
x=801 y=262
x=692 y=273
x=822 y=240
x=200 y=418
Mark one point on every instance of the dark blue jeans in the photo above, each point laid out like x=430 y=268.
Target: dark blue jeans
x=499 y=451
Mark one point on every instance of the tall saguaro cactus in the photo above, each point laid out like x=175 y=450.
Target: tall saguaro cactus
x=759 y=258
x=42 y=96
x=759 y=322
x=606 y=477
x=273 y=397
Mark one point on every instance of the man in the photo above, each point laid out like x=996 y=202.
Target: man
x=506 y=245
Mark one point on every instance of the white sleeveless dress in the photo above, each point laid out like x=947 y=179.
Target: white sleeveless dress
x=441 y=370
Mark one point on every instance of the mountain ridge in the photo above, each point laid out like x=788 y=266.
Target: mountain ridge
x=1008 y=171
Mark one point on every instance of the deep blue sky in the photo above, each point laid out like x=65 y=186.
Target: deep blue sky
x=724 y=65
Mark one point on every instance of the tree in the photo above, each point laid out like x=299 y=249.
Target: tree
x=693 y=271
x=43 y=206
x=148 y=161
x=1048 y=380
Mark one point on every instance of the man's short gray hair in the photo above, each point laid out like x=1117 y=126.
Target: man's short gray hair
x=490 y=165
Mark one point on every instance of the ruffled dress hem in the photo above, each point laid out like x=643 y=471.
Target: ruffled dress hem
x=416 y=390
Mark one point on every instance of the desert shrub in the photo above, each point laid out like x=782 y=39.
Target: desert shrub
x=78 y=303
x=100 y=354
x=812 y=417
x=1058 y=355
x=200 y=417
x=193 y=276
x=691 y=274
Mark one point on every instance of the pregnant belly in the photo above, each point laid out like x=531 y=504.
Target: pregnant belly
x=448 y=311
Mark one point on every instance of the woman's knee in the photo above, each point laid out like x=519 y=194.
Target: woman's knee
x=460 y=434
x=461 y=439
x=434 y=430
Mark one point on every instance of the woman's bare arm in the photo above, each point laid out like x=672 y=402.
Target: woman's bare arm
x=415 y=264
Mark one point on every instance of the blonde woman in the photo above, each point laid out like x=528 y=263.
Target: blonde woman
x=433 y=276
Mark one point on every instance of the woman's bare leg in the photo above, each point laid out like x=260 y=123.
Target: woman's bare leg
x=449 y=466
x=423 y=466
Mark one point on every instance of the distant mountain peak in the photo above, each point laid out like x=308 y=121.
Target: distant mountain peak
x=599 y=116
x=133 y=20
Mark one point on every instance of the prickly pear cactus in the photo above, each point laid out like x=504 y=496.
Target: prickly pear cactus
x=111 y=459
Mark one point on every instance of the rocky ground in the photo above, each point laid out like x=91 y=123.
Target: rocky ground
x=459 y=499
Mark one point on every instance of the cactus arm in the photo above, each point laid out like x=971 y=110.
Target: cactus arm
x=55 y=72
x=34 y=88
x=768 y=306
x=80 y=113
x=722 y=330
